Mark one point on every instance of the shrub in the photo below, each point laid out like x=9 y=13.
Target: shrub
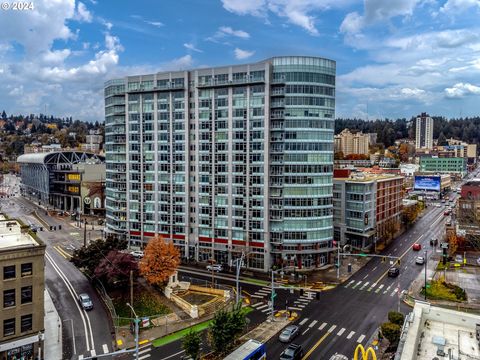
x=396 y=318
x=391 y=332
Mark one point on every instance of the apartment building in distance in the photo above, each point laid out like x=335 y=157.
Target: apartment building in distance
x=424 y=132
x=349 y=142
x=454 y=166
x=22 y=287
x=367 y=207
x=225 y=160
x=93 y=142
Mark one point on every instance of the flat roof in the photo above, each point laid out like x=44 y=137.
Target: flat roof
x=368 y=177
x=12 y=237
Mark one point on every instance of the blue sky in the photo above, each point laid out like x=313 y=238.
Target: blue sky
x=395 y=58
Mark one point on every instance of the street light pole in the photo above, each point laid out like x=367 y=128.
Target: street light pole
x=425 y=275
x=273 y=292
x=338 y=260
x=136 y=330
x=238 y=263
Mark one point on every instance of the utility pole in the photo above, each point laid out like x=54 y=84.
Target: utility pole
x=238 y=263
x=85 y=233
x=137 y=320
x=338 y=260
x=131 y=286
x=273 y=292
x=425 y=275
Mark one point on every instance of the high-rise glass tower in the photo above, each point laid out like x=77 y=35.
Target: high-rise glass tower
x=225 y=160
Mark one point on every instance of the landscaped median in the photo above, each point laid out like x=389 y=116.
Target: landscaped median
x=181 y=333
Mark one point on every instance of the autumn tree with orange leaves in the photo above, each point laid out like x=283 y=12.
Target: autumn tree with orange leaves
x=160 y=260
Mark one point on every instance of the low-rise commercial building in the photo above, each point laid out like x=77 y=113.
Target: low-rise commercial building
x=367 y=207
x=468 y=214
x=66 y=180
x=454 y=166
x=23 y=281
x=431 y=331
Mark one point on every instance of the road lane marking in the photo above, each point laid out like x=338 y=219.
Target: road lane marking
x=365 y=277
x=294 y=308
x=322 y=326
x=354 y=286
x=174 y=355
x=303 y=321
x=73 y=293
x=379 y=288
x=350 y=283
x=312 y=324
x=314 y=347
x=146 y=356
x=105 y=348
x=395 y=249
x=364 y=285
x=305 y=331
x=93 y=352
x=80 y=357
x=360 y=339
x=351 y=334
x=332 y=328
x=394 y=292
x=342 y=330
x=375 y=268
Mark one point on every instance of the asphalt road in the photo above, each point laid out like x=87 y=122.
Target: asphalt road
x=351 y=313
x=84 y=333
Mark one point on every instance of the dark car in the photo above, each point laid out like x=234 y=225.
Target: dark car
x=393 y=272
x=292 y=352
x=288 y=333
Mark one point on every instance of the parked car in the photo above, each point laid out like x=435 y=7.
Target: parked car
x=417 y=247
x=420 y=260
x=339 y=357
x=446 y=213
x=215 y=267
x=85 y=301
x=459 y=258
x=288 y=333
x=393 y=272
x=292 y=352
x=138 y=254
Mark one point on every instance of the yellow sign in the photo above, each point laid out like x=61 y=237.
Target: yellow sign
x=73 y=177
x=365 y=354
x=73 y=189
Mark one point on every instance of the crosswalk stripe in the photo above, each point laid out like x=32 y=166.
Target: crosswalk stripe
x=301 y=305
x=266 y=310
x=263 y=291
x=146 y=356
x=350 y=283
x=312 y=324
x=354 y=286
x=146 y=350
x=294 y=308
x=256 y=304
x=262 y=307
x=360 y=339
x=303 y=321
x=322 y=326
x=266 y=288
x=342 y=330
x=304 y=300
x=394 y=292
x=332 y=328
x=80 y=357
x=93 y=352
x=351 y=334
x=364 y=285
x=257 y=296
x=379 y=288
x=105 y=348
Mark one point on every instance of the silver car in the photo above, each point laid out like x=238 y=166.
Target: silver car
x=420 y=260
x=289 y=333
x=85 y=301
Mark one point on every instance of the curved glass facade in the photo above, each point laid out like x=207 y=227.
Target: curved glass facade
x=301 y=167
x=225 y=160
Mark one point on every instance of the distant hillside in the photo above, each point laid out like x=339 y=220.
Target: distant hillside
x=466 y=129
x=18 y=130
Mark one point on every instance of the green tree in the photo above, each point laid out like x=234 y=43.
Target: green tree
x=442 y=140
x=391 y=332
x=225 y=328
x=191 y=344
x=88 y=258
x=396 y=317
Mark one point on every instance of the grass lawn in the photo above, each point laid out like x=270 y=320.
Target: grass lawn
x=145 y=304
x=198 y=327
x=440 y=290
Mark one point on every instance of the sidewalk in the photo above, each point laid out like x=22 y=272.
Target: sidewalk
x=53 y=330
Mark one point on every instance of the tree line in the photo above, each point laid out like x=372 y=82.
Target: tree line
x=389 y=130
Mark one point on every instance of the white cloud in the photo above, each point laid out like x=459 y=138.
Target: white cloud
x=243 y=54
x=227 y=30
x=408 y=92
x=82 y=13
x=192 y=47
x=154 y=23
x=56 y=56
x=181 y=63
x=112 y=43
x=377 y=11
x=460 y=90
x=459 y=5
x=297 y=12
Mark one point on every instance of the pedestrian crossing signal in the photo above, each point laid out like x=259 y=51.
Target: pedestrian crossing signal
x=398 y=262
x=384 y=259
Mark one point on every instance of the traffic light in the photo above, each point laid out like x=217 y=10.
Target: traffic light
x=398 y=262
x=384 y=259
